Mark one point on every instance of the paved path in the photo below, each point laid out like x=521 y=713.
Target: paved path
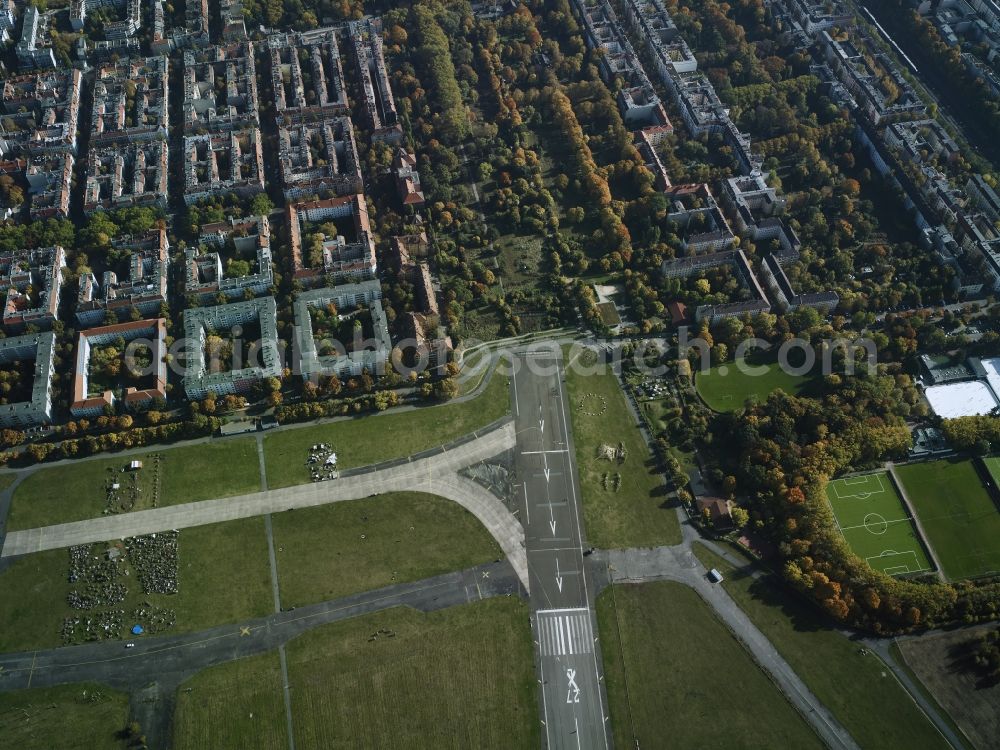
x=261 y=463
x=435 y=474
x=110 y=662
x=881 y=646
x=678 y=563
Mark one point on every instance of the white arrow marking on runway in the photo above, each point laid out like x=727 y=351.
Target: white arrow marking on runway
x=541 y=425
x=559 y=579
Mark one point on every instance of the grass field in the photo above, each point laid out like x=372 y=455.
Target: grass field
x=859 y=690
x=609 y=313
x=6 y=480
x=875 y=523
x=84 y=716
x=370 y=439
x=186 y=474
x=687 y=677
x=941 y=663
x=654 y=410
x=223 y=576
x=459 y=678
x=727 y=387
x=233 y=705
x=343 y=548
x=636 y=514
x=957 y=514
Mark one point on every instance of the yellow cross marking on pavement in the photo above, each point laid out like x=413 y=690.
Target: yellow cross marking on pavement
x=244 y=630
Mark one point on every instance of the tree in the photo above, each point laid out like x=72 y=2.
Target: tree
x=261 y=205
x=740 y=517
x=446 y=389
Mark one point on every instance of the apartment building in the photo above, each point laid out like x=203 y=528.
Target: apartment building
x=345 y=359
x=33 y=280
x=331 y=260
x=377 y=98
x=88 y=402
x=210 y=272
x=40 y=112
x=36 y=408
x=138 y=286
x=318 y=158
x=130 y=101
x=227 y=162
x=220 y=88
x=125 y=176
x=35 y=48
x=203 y=376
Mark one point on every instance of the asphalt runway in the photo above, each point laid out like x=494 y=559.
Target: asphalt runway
x=566 y=649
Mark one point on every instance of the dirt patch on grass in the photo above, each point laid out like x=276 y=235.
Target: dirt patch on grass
x=939 y=660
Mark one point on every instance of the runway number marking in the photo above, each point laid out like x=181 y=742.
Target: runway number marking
x=572 y=692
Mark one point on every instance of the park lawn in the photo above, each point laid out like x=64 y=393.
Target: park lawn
x=673 y=670
x=344 y=548
x=726 y=387
x=859 y=690
x=992 y=464
x=957 y=514
x=223 y=576
x=875 y=523
x=7 y=479
x=186 y=474
x=221 y=468
x=462 y=677
x=374 y=438
x=475 y=367
x=637 y=514
x=82 y=716
x=233 y=705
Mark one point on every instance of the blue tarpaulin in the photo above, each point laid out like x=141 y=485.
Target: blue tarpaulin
x=137 y=630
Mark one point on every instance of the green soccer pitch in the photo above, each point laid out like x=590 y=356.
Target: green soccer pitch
x=956 y=513
x=874 y=521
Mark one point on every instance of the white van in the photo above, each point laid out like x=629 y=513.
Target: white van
x=715 y=576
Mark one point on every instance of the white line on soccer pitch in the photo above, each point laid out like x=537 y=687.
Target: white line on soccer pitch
x=865 y=526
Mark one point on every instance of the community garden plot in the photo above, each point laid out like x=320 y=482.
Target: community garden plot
x=957 y=514
x=875 y=524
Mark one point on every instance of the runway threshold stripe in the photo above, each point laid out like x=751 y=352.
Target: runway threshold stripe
x=567 y=634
